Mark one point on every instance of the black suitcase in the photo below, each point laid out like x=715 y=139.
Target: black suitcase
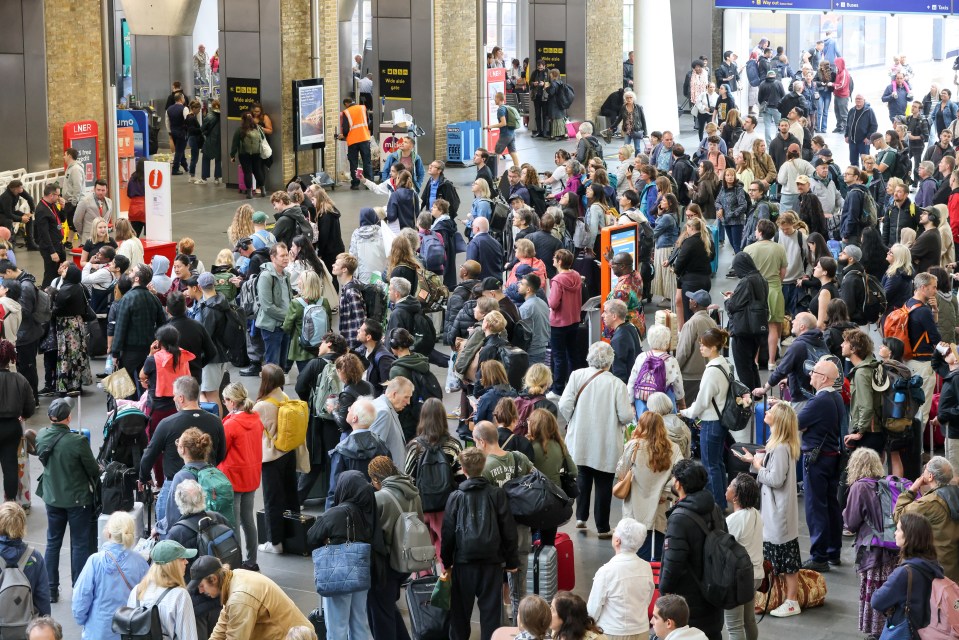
x=318 y=622
x=735 y=465
x=295 y=528
x=97 y=337
x=428 y=622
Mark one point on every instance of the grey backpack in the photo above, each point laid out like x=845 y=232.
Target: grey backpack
x=16 y=599
x=411 y=549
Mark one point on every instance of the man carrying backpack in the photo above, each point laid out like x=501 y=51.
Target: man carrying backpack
x=359 y=446
x=865 y=423
x=922 y=336
x=211 y=311
x=507 y=121
x=408 y=314
x=808 y=345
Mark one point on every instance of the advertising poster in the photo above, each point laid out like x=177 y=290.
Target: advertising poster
x=389 y=143
x=553 y=53
x=495 y=83
x=137 y=120
x=395 y=80
x=82 y=136
x=308 y=109
x=240 y=94
x=159 y=206
x=126 y=158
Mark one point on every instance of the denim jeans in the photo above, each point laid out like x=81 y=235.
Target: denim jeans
x=562 y=341
x=346 y=617
x=179 y=153
x=790 y=292
x=856 y=150
x=217 y=167
x=771 y=122
x=195 y=143
x=276 y=346
x=162 y=498
x=712 y=440
x=734 y=232
x=82 y=530
x=789 y=202
x=244 y=519
x=635 y=139
x=822 y=114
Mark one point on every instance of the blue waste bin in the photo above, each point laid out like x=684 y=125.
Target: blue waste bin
x=462 y=141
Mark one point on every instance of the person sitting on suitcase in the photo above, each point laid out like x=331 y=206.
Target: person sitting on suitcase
x=627 y=581
x=479 y=538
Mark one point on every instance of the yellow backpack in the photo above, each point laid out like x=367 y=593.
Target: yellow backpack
x=292 y=418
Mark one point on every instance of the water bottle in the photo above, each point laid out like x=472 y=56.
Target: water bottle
x=108 y=369
x=899 y=399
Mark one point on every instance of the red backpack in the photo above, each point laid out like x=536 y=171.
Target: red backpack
x=897 y=326
x=944 y=603
x=525 y=407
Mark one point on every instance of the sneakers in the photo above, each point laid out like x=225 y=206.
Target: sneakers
x=249 y=566
x=50 y=391
x=269 y=547
x=218 y=181
x=605 y=535
x=199 y=181
x=580 y=524
x=815 y=565
x=786 y=609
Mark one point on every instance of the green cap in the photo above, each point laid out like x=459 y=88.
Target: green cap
x=169 y=550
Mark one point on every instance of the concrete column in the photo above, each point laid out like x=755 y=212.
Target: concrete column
x=329 y=71
x=653 y=44
x=604 y=63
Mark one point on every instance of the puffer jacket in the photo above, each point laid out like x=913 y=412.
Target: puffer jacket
x=30 y=329
x=101 y=590
x=733 y=202
x=366 y=244
x=459 y=296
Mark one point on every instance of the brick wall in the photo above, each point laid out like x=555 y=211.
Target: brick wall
x=455 y=71
x=604 y=63
x=74 y=71
x=329 y=70
x=295 y=49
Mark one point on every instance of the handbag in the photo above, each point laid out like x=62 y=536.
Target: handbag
x=622 y=488
x=812 y=592
x=342 y=568
x=266 y=151
x=903 y=630
x=119 y=384
x=567 y=480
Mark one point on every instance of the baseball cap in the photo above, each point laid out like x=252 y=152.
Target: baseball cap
x=167 y=551
x=60 y=409
x=825 y=153
x=205 y=280
x=802 y=179
x=492 y=284
x=259 y=218
x=770 y=74
x=516 y=196
x=853 y=252
x=700 y=297
x=204 y=566
x=875 y=136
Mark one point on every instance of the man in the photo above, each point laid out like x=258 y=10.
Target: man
x=10 y=209
x=927 y=186
x=355 y=130
x=360 y=445
x=588 y=143
x=771 y=92
x=507 y=134
x=682 y=566
x=290 y=220
x=926 y=250
x=793 y=241
x=815 y=54
x=851 y=220
x=809 y=340
x=917 y=134
x=691 y=362
x=628 y=65
x=201 y=65
x=939 y=504
x=96 y=205
x=794 y=99
x=176 y=125
x=535 y=311
x=629 y=288
x=852 y=289
x=365 y=86
x=796 y=128
x=824 y=188
x=408 y=159
x=781 y=143
x=405 y=309
x=901 y=213
x=749 y=135
x=462 y=294
x=728 y=72
x=357 y=65
x=275 y=294
x=44 y=628
x=770 y=259
x=758 y=210
x=253 y=605
x=483 y=170
x=819 y=423
x=670 y=620
x=262 y=237
x=865 y=426
x=193 y=335
x=485 y=250
x=255 y=258
x=516 y=187
x=374 y=352
x=31 y=332
x=74 y=181
x=860 y=125
x=211 y=310
x=138 y=316
x=896 y=96
x=352 y=311
x=191 y=503
x=386 y=425
x=442 y=225
x=923 y=335
x=885 y=155
x=439 y=187
x=70 y=475
x=662 y=154
x=48 y=232
x=625 y=338
x=99 y=279
x=493 y=288
x=935 y=152
x=501 y=467
x=683 y=171
x=163 y=440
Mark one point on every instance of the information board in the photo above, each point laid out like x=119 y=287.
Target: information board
x=309 y=115
x=495 y=83
x=893 y=6
x=553 y=53
x=395 y=80
x=794 y=5
x=241 y=93
x=159 y=206
x=82 y=136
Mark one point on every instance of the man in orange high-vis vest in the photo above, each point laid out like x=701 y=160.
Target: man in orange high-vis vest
x=355 y=129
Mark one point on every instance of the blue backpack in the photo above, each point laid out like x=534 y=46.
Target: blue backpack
x=316 y=323
x=433 y=252
x=752 y=73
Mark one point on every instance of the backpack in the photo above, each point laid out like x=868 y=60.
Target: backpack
x=887 y=491
x=434 y=477
x=477 y=528
x=869 y=212
x=499 y=211
x=43 y=311
x=140 y=622
x=902 y=395
x=734 y=416
x=431 y=291
x=16 y=598
x=814 y=354
x=424 y=334
x=897 y=326
x=316 y=323
x=249 y=297
x=411 y=549
x=328 y=385
x=516 y=363
x=292 y=418
x=524 y=407
x=522 y=334
x=902 y=167
x=433 y=252
x=118 y=485
x=651 y=378
x=305 y=228
x=752 y=73
x=223 y=286
x=687 y=90
x=874 y=302
x=565 y=96
x=425 y=385
x=647 y=243
x=233 y=338
x=944 y=604
x=216 y=539
x=727 y=580
x=374 y=301
x=217 y=489
x=513 y=119
x=593 y=150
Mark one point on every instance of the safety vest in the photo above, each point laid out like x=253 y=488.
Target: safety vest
x=356 y=118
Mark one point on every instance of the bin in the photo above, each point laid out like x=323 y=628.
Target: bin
x=462 y=141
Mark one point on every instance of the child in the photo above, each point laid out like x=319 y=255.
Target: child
x=223 y=271
x=534 y=618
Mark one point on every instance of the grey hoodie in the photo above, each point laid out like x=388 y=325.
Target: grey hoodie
x=161 y=267
x=404 y=492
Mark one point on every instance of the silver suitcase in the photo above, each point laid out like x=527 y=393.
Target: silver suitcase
x=541 y=577
x=139 y=520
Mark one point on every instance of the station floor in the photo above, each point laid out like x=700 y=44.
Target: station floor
x=204 y=212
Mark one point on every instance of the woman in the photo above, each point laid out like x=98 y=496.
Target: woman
x=17 y=403
x=481 y=206
x=495 y=386
x=13 y=529
x=242 y=224
x=565 y=299
x=555 y=113
x=633 y=119
x=571 y=620
x=556 y=180
x=642 y=377
x=329 y=238
x=403 y=263
x=568 y=196
x=625 y=167
x=353 y=518
x=705 y=104
x=99 y=237
x=129 y=244
x=526 y=256
x=791 y=169
x=676 y=429
x=242 y=429
x=623 y=587
x=550 y=456
x=194 y=135
x=587 y=236
x=70 y=306
x=537 y=192
x=947 y=305
x=303 y=259
x=194 y=447
x=311 y=290
x=349 y=370
x=136 y=192
x=403 y=204
x=743 y=163
x=211 y=145
x=897 y=281
x=665 y=233
x=825 y=79
x=763 y=166
x=710 y=400
x=731 y=207
x=265 y=124
x=166 y=362
x=693 y=263
x=594 y=434
x=874 y=253
x=863 y=516
x=650 y=455
x=279 y=467
x=825 y=273
x=432 y=434
x=366 y=244
x=725 y=105
x=703 y=193
x=246 y=145
x=917 y=559
x=811 y=213
x=746 y=525
x=164 y=589
x=536 y=383
x=837 y=323
x=776 y=473
x=732 y=127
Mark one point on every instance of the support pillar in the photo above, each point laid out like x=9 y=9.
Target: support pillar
x=455 y=79
x=296 y=47
x=653 y=44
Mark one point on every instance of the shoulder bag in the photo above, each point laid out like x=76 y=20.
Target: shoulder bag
x=622 y=488
x=342 y=568
x=580 y=392
x=903 y=630
x=266 y=151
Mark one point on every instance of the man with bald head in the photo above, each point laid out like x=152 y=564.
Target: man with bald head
x=792 y=366
x=360 y=445
x=819 y=422
x=486 y=250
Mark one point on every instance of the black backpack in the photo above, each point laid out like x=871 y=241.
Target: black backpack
x=902 y=168
x=454 y=201
x=516 y=363
x=140 y=622
x=565 y=96
x=727 y=580
x=522 y=334
x=216 y=539
x=425 y=385
x=374 y=301
x=873 y=303
x=647 y=244
x=118 y=487
x=424 y=334
x=233 y=340
x=434 y=477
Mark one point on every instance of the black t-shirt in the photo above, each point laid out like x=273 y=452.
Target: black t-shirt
x=163 y=440
x=92 y=248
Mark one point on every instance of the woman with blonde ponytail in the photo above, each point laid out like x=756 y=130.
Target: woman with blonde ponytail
x=244 y=460
x=107 y=578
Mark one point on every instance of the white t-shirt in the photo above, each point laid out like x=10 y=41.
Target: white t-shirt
x=746 y=525
x=176 y=610
x=559 y=179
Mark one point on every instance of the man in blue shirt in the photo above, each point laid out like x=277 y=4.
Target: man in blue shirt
x=408 y=159
x=439 y=187
x=507 y=134
x=485 y=250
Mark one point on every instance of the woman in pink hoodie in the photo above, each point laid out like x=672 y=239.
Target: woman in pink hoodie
x=842 y=87
x=565 y=308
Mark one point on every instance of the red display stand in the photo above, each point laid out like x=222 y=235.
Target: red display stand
x=150 y=248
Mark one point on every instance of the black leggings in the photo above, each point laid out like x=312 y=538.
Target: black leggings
x=10 y=434
x=252 y=166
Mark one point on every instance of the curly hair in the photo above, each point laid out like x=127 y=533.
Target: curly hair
x=8 y=353
x=659 y=448
x=196 y=443
x=863 y=463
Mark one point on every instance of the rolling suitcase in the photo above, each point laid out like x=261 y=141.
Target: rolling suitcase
x=714 y=229
x=24 y=494
x=669 y=320
x=295 y=528
x=565 y=561
x=427 y=622
x=761 y=434
x=542 y=576
x=656 y=567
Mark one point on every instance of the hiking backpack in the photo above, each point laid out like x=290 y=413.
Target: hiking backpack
x=752 y=73
x=433 y=252
x=870 y=215
x=234 y=336
x=902 y=395
x=223 y=286
x=217 y=489
x=874 y=301
x=944 y=602
x=118 y=485
x=216 y=539
x=316 y=323
x=43 y=311
x=292 y=418
x=434 y=477
x=513 y=119
x=565 y=96
x=651 y=378
x=328 y=385
x=897 y=326
x=727 y=580
x=431 y=292
x=374 y=301
x=411 y=549
x=814 y=354
x=249 y=298
x=16 y=598
x=887 y=492
x=140 y=622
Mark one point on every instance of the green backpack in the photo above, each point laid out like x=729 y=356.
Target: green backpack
x=513 y=119
x=224 y=286
x=218 y=490
x=328 y=384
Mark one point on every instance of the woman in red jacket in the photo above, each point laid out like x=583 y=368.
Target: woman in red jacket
x=244 y=460
x=565 y=305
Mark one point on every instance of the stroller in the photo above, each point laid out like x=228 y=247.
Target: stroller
x=124 y=435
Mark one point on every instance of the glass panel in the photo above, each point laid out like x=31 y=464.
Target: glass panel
x=627 y=28
x=509 y=43
x=509 y=13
